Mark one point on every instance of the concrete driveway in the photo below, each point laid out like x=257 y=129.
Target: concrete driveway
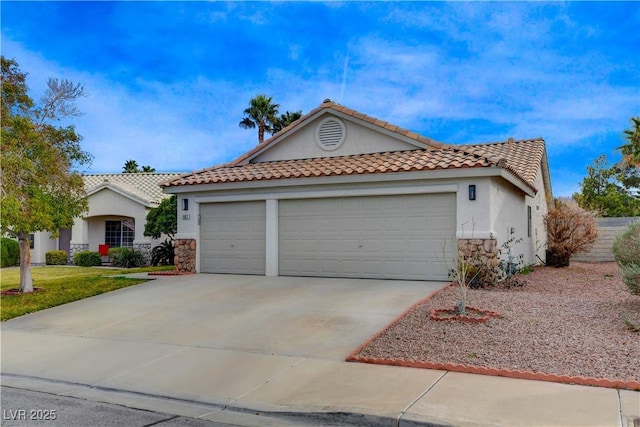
x=216 y=338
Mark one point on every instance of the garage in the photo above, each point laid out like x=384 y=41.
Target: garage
x=344 y=194
x=389 y=237
x=233 y=237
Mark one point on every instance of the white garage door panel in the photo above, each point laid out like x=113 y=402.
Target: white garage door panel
x=396 y=237
x=232 y=238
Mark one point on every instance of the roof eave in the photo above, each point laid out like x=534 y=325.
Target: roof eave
x=514 y=179
x=431 y=174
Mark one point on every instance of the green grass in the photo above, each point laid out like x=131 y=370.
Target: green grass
x=62 y=285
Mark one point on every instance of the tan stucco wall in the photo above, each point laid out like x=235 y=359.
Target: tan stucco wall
x=509 y=219
x=359 y=139
x=42 y=243
x=108 y=205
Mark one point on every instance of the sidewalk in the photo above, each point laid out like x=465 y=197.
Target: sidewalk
x=225 y=386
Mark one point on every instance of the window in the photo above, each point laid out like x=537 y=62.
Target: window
x=119 y=233
x=529 y=221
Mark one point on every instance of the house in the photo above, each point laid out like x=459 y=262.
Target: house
x=118 y=207
x=341 y=194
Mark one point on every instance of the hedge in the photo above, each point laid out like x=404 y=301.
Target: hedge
x=56 y=258
x=10 y=252
x=87 y=259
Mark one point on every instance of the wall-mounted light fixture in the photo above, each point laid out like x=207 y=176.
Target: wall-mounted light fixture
x=472 y=192
x=185 y=204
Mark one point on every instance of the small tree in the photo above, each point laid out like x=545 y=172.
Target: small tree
x=39 y=189
x=163 y=219
x=609 y=189
x=570 y=230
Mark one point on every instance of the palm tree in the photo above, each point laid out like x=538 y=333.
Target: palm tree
x=147 y=169
x=631 y=151
x=130 y=166
x=261 y=113
x=286 y=119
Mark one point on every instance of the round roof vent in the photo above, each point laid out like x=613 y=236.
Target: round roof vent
x=330 y=133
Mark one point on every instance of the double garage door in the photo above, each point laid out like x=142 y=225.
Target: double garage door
x=393 y=237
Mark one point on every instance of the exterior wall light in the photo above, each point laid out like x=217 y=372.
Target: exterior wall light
x=185 y=204
x=472 y=192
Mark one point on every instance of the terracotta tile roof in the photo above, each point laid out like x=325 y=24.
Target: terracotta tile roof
x=520 y=158
x=522 y=162
x=145 y=186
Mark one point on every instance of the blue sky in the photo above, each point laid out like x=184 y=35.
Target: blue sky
x=167 y=81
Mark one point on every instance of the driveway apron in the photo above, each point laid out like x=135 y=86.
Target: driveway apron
x=219 y=339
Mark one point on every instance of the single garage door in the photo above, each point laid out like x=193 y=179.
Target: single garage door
x=393 y=237
x=232 y=237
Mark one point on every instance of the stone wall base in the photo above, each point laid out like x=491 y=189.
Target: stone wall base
x=75 y=248
x=479 y=249
x=145 y=250
x=185 y=256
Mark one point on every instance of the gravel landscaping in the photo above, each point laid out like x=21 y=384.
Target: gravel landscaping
x=564 y=321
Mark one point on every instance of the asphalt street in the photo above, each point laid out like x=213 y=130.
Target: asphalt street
x=21 y=408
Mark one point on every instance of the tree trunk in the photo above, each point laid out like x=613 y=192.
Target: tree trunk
x=260 y=133
x=26 y=283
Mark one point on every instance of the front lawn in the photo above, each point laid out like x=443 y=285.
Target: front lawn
x=62 y=284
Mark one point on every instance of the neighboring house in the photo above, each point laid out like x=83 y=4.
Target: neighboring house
x=341 y=194
x=118 y=207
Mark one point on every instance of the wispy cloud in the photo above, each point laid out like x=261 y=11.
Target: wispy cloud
x=168 y=81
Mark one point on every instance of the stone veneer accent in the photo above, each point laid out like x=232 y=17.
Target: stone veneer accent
x=486 y=249
x=77 y=247
x=145 y=250
x=185 y=260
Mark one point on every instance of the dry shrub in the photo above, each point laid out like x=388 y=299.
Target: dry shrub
x=626 y=250
x=626 y=247
x=570 y=229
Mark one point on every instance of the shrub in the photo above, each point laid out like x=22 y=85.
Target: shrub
x=163 y=254
x=631 y=277
x=87 y=259
x=56 y=258
x=626 y=248
x=570 y=229
x=10 y=252
x=126 y=257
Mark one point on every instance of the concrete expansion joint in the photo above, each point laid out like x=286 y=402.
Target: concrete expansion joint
x=162 y=421
x=424 y=393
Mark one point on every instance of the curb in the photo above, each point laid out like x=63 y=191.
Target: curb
x=300 y=418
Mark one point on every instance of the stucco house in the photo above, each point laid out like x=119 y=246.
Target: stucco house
x=118 y=207
x=342 y=194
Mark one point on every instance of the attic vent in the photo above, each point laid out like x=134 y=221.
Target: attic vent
x=330 y=133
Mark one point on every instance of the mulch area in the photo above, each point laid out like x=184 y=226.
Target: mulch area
x=564 y=325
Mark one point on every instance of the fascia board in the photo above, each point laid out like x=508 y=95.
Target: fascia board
x=321 y=193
